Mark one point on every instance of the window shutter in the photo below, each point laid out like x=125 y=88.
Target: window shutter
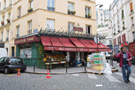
x=131 y=6
x=118 y=40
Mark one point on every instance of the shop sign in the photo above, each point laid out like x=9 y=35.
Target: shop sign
x=78 y=29
x=48 y=48
x=65 y=49
x=27 y=40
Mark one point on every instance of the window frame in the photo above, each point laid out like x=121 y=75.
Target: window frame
x=71 y=27
x=51 y=23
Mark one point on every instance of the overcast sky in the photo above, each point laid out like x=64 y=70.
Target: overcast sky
x=106 y=3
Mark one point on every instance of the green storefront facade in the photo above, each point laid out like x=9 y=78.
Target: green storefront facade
x=35 y=47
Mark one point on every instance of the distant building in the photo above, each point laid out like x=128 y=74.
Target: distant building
x=122 y=16
x=104 y=26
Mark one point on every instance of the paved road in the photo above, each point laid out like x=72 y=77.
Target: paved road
x=81 y=81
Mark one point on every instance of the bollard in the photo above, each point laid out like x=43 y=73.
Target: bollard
x=85 y=66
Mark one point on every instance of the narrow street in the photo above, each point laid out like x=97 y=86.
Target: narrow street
x=79 y=81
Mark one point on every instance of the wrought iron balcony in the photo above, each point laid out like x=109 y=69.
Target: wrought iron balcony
x=50 y=8
x=17 y=35
x=29 y=31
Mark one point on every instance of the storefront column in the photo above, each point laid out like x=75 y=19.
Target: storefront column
x=34 y=53
x=17 y=51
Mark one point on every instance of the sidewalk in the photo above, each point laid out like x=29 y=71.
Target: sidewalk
x=62 y=70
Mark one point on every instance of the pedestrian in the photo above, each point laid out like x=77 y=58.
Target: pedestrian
x=125 y=58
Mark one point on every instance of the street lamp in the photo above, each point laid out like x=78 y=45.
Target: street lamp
x=97 y=38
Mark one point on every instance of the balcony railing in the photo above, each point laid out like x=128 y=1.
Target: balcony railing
x=50 y=8
x=88 y=16
x=7 y=39
x=17 y=35
x=29 y=31
x=71 y=12
x=18 y=16
x=30 y=10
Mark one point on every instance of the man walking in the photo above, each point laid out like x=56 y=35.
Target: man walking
x=125 y=58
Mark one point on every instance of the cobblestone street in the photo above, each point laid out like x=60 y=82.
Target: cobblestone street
x=80 y=81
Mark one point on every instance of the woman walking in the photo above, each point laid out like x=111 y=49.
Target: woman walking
x=125 y=58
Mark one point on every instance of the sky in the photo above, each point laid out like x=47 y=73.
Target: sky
x=106 y=3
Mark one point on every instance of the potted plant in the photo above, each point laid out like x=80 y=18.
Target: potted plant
x=8 y=20
x=118 y=30
x=73 y=12
x=123 y=28
x=30 y=10
x=114 y=33
x=2 y=22
x=89 y=16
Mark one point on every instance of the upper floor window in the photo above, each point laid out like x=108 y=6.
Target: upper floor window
x=71 y=10
x=19 y=12
x=31 y=3
x=29 y=27
x=88 y=29
x=134 y=36
x=101 y=14
x=1 y=36
x=70 y=27
x=4 y=4
x=0 y=6
x=50 y=24
x=132 y=21
x=18 y=30
x=122 y=13
x=7 y=35
x=101 y=19
x=131 y=7
x=87 y=12
x=50 y=5
x=10 y=2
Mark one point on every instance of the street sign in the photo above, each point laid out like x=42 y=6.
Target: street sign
x=96 y=40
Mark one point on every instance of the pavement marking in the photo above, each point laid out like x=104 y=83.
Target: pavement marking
x=77 y=75
x=10 y=75
x=111 y=78
x=92 y=76
x=131 y=78
x=98 y=85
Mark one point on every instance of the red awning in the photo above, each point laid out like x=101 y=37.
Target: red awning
x=46 y=41
x=86 y=43
x=77 y=42
x=56 y=42
x=66 y=42
x=48 y=48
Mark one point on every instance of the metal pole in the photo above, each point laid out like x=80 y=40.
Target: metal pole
x=34 y=67
x=97 y=42
x=66 y=65
x=49 y=64
x=85 y=66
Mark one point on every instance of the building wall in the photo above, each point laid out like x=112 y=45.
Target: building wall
x=40 y=15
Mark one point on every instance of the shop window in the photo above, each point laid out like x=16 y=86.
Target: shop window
x=19 y=12
x=18 y=31
x=71 y=27
x=88 y=29
x=87 y=12
x=29 y=27
x=26 y=53
x=131 y=7
x=50 y=25
x=50 y=5
x=71 y=10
